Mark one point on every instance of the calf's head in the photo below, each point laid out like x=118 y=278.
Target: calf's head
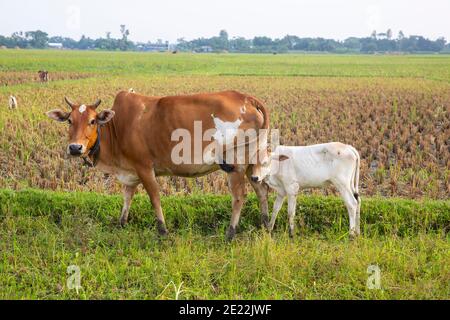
x=83 y=122
x=267 y=168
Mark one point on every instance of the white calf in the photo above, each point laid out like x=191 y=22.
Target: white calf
x=12 y=102
x=291 y=169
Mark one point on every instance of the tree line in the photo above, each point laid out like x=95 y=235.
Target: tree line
x=376 y=42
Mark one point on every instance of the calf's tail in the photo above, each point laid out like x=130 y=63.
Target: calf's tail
x=355 y=179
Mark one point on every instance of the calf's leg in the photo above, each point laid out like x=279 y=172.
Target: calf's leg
x=236 y=184
x=276 y=208
x=352 y=207
x=128 y=194
x=292 y=202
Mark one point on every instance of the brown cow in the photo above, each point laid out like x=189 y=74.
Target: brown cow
x=43 y=75
x=135 y=142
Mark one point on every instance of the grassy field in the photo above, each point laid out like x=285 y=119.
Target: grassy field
x=119 y=63
x=391 y=108
x=42 y=233
x=54 y=213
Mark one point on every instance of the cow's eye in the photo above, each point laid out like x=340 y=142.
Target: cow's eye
x=92 y=122
x=69 y=121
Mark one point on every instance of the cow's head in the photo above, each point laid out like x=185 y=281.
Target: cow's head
x=83 y=121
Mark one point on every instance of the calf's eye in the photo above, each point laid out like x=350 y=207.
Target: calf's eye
x=92 y=122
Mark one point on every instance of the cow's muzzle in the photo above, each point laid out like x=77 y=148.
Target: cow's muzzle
x=75 y=149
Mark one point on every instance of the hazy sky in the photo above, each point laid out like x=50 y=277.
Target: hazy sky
x=172 y=19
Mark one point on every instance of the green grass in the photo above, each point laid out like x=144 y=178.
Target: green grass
x=434 y=67
x=43 y=232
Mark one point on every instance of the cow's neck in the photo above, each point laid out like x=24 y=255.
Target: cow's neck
x=94 y=152
x=100 y=153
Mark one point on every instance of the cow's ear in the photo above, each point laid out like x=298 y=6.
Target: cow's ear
x=105 y=116
x=58 y=115
x=280 y=157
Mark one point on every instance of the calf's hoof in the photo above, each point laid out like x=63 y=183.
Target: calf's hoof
x=291 y=233
x=231 y=232
x=162 y=230
x=353 y=235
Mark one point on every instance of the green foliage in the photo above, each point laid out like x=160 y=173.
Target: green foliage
x=208 y=214
x=42 y=233
x=381 y=42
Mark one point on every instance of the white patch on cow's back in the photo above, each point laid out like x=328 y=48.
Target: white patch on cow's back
x=225 y=131
x=82 y=108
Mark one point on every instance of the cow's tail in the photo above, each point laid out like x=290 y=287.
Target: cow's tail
x=262 y=136
x=260 y=107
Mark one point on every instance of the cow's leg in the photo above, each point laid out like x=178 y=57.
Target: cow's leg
x=262 y=192
x=128 y=193
x=151 y=186
x=236 y=183
x=292 y=202
x=352 y=207
x=276 y=208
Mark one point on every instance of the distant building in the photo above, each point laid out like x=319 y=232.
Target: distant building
x=153 y=47
x=55 y=45
x=204 y=49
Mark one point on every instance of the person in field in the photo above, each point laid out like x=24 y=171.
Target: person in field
x=291 y=169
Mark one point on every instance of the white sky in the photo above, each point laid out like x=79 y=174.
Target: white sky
x=173 y=19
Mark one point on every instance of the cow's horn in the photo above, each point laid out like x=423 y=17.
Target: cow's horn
x=70 y=103
x=97 y=103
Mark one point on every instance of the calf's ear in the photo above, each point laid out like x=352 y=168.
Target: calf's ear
x=105 y=116
x=280 y=157
x=58 y=115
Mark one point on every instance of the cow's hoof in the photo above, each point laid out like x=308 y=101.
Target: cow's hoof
x=231 y=232
x=265 y=221
x=162 y=230
x=123 y=222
